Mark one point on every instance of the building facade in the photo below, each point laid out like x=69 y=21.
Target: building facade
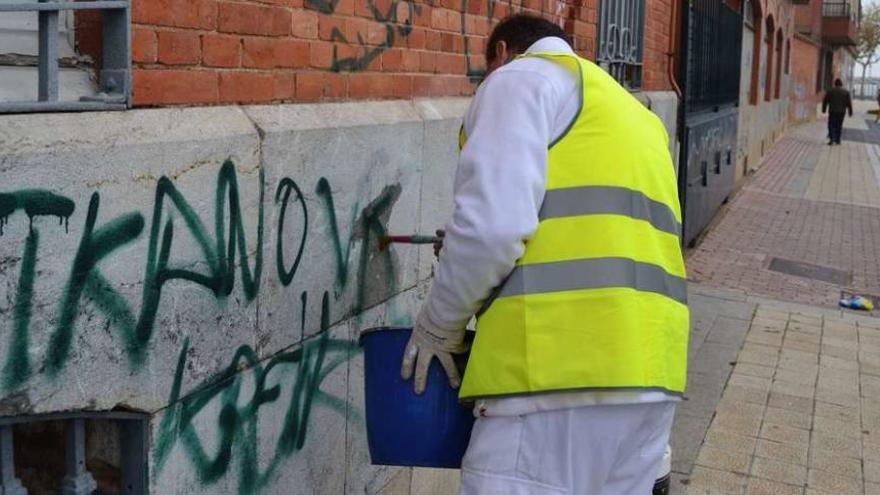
x=184 y=280
x=826 y=34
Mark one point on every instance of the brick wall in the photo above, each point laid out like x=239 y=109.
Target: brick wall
x=804 y=68
x=256 y=51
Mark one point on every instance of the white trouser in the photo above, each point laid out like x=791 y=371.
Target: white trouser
x=591 y=450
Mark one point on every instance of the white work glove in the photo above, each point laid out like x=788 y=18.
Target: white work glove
x=427 y=342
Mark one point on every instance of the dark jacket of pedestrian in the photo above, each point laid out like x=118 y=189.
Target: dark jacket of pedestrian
x=837 y=100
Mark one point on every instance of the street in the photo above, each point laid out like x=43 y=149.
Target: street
x=784 y=386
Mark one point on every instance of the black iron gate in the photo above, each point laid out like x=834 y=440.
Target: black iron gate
x=712 y=42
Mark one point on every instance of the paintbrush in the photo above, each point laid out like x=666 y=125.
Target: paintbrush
x=407 y=239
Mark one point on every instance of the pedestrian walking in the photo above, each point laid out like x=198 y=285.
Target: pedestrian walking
x=877 y=116
x=837 y=102
x=564 y=240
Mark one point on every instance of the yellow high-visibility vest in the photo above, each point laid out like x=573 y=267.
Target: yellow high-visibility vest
x=599 y=299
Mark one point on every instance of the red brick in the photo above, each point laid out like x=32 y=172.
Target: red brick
x=314 y=86
x=411 y=61
x=392 y=60
x=221 y=51
x=378 y=33
x=179 y=47
x=144 y=45
x=416 y=39
x=423 y=14
x=321 y=55
x=355 y=28
x=305 y=24
x=402 y=86
x=427 y=62
x=253 y=19
x=438 y=19
x=329 y=26
x=195 y=14
x=370 y=86
x=258 y=53
x=433 y=41
x=246 y=87
x=168 y=87
x=292 y=53
x=285 y=85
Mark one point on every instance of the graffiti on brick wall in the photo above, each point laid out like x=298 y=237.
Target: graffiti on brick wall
x=398 y=20
x=222 y=251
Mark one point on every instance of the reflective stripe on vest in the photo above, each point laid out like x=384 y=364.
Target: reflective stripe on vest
x=599 y=299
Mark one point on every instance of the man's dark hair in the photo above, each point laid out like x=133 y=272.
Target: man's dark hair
x=838 y=83
x=520 y=31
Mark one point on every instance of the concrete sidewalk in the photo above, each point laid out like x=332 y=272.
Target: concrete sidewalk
x=784 y=387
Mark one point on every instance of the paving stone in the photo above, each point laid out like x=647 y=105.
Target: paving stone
x=738 y=423
x=785 y=434
x=841 y=446
x=790 y=402
x=800 y=327
x=765 y=337
x=687 y=436
x=834 y=427
x=788 y=418
x=733 y=442
x=765 y=313
x=746 y=394
x=724 y=460
x=793 y=354
x=758 y=354
x=840 y=375
x=834 y=411
x=796 y=336
x=833 y=483
x=805 y=319
x=794 y=454
x=727 y=330
x=775 y=323
x=754 y=370
x=705 y=481
x=872 y=471
x=839 y=352
x=780 y=471
x=852 y=344
x=872 y=488
x=837 y=363
x=850 y=384
x=793 y=389
x=798 y=366
x=798 y=377
x=837 y=396
x=844 y=466
x=746 y=381
x=870 y=386
x=766 y=487
x=800 y=345
x=870 y=448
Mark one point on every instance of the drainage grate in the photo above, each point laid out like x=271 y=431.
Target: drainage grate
x=808 y=270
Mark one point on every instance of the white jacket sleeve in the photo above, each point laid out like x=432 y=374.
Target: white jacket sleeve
x=499 y=187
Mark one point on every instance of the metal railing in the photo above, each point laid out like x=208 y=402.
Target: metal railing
x=836 y=9
x=621 y=40
x=115 y=72
x=714 y=32
x=133 y=443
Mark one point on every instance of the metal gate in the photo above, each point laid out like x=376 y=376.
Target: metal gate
x=712 y=41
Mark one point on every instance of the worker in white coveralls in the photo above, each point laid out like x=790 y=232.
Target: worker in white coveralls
x=565 y=242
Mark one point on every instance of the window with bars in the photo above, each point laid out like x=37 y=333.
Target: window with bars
x=621 y=40
x=41 y=72
x=84 y=453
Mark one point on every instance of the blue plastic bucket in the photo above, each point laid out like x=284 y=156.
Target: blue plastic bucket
x=405 y=429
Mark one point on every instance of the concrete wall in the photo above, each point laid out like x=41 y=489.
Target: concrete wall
x=120 y=288
x=164 y=261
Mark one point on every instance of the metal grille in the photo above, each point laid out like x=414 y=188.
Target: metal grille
x=621 y=40
x=115 y=73
x=714 y=33
x=836 y=9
